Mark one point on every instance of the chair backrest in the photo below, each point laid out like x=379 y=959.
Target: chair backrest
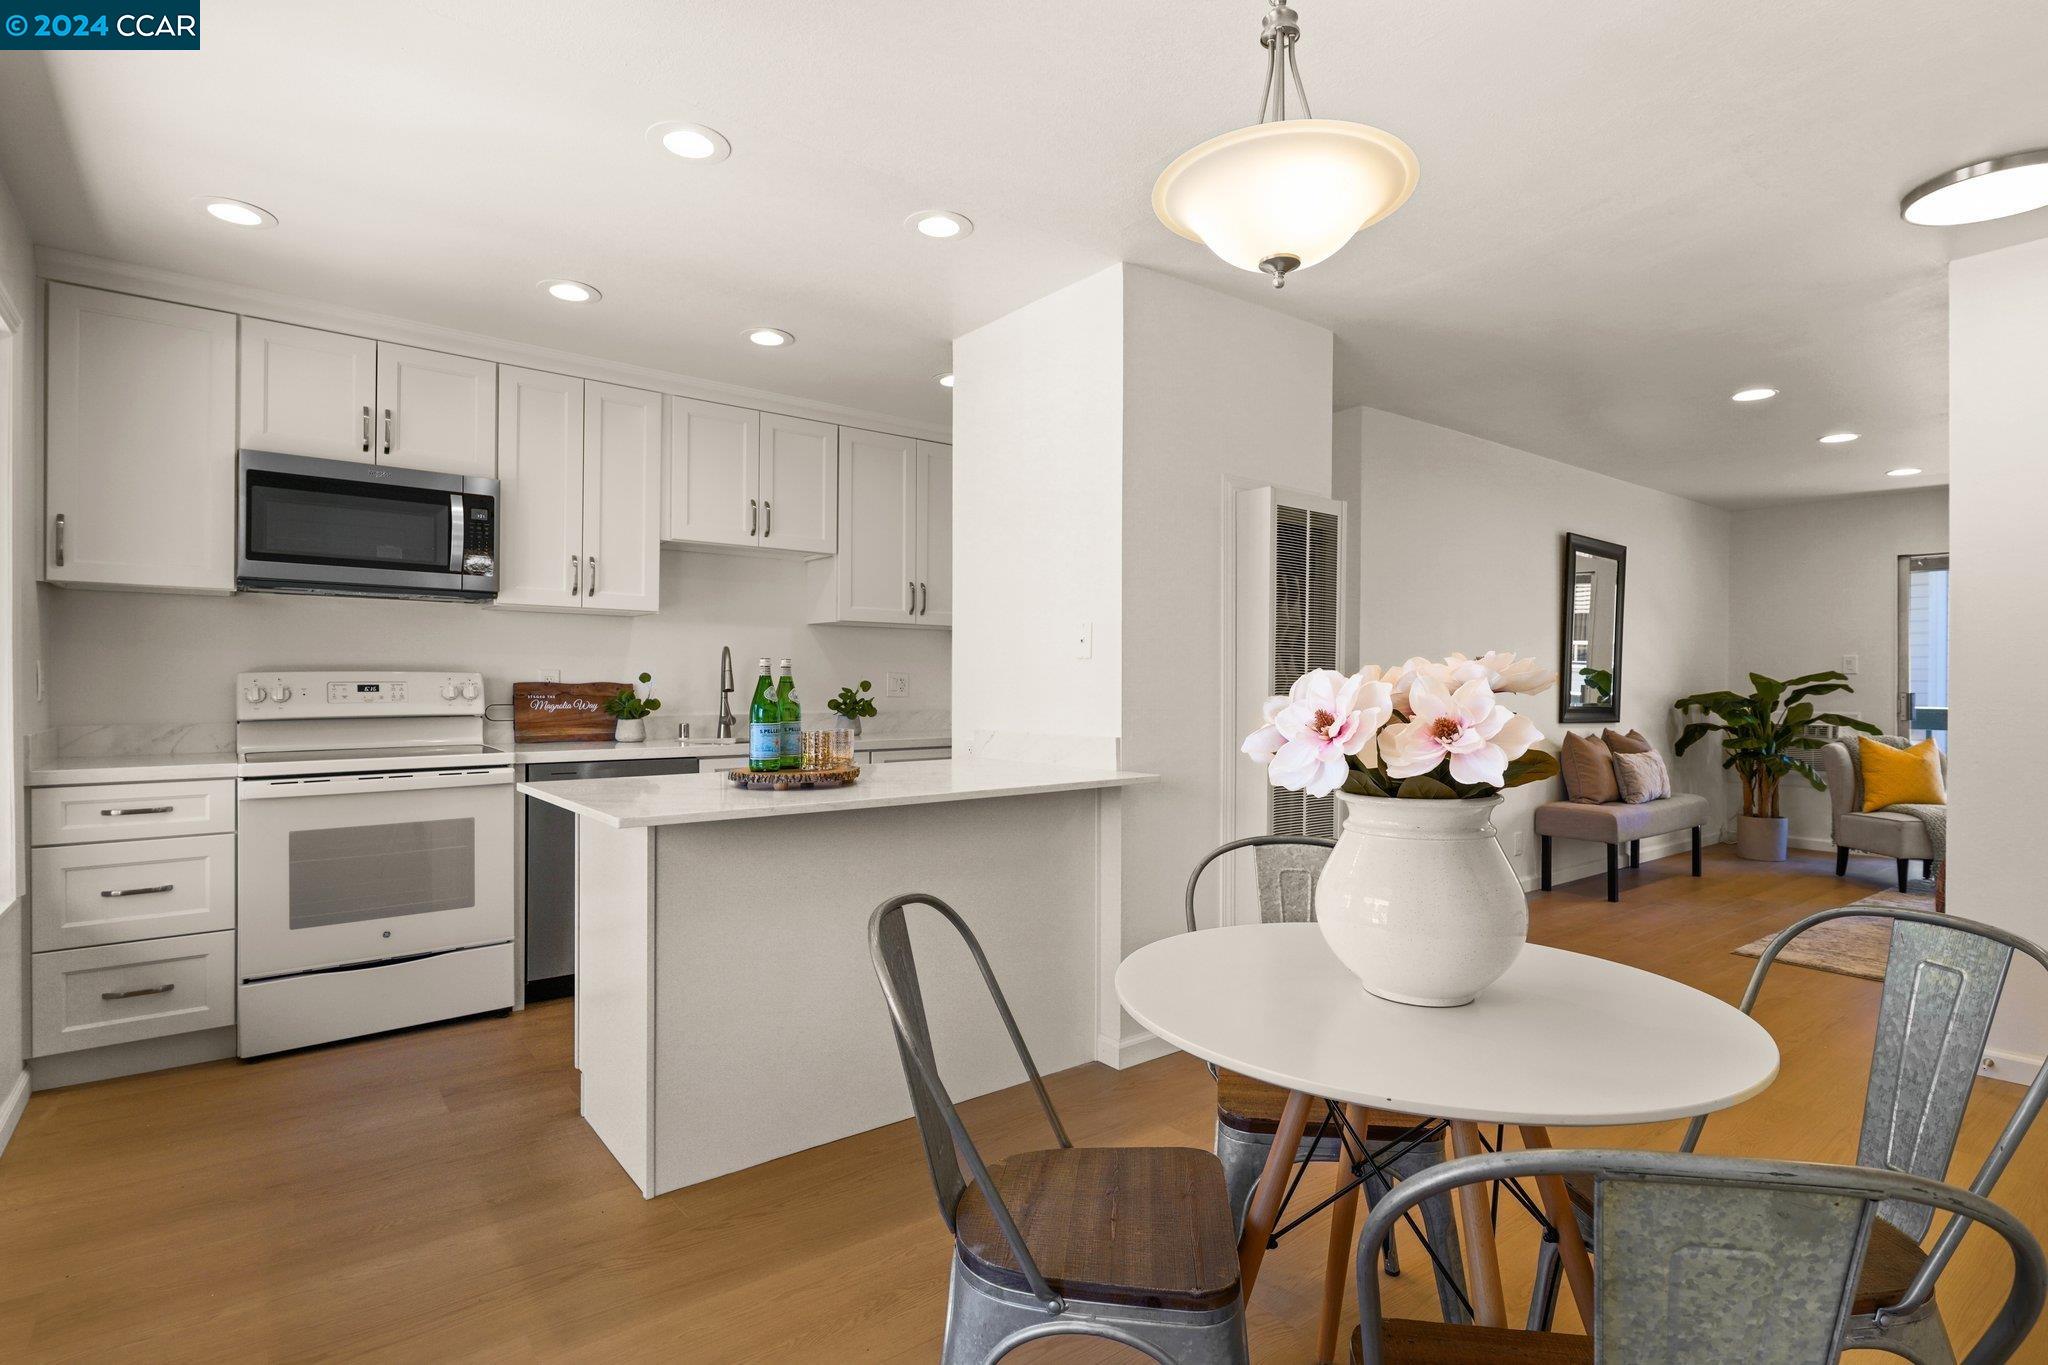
x=1702 y=1260
x=1941 y=987
x=946 y=1142
x=1842 y=766
x=1288 y=865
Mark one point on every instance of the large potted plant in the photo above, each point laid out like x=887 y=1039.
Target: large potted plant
x=1765 y=736
x=1417 y=899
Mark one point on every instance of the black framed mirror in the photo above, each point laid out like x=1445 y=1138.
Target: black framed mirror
x=1589 y=666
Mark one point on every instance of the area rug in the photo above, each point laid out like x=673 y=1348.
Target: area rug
x=1853 y=945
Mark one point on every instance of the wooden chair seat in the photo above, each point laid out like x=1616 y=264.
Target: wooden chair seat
x=1890 y=1261
x=1146 y=1227
x=1412 y=1342
x=1250 y=1106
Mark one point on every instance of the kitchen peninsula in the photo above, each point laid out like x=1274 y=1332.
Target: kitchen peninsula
x=726 y=1011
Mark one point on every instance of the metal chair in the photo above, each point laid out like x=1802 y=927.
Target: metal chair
x=1941 y=985
x=1134 y=1244
x=1703 y=1260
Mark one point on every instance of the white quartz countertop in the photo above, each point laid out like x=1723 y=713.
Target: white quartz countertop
x=701 y=798
x=83 y=769
x=602 y=751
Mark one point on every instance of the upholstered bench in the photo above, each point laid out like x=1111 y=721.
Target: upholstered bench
x=1615 y=823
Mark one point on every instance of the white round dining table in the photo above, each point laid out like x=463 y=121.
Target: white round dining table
x=1562 y=1038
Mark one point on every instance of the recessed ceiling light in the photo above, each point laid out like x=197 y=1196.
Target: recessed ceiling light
x=769 y=336
x=1838 y=438
x=690 y=141
x=237 y=213
x=571 y=291
x=1980 y=192
x=945 y=380
x=1905 y=473
x=1752 y=395
x=939 y=223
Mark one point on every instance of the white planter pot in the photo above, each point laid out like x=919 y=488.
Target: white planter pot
x=1762 y=838
x=630 y=731
x=1419 y=901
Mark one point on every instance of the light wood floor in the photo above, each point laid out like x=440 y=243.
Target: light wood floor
x=433 y=1197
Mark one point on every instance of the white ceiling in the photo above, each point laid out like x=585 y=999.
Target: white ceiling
x=1626 y=211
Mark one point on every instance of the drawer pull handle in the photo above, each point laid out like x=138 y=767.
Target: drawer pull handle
x=138 y=810
x=145 y=990
x=140 y=891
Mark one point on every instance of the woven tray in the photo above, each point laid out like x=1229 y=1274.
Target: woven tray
x=789 y=780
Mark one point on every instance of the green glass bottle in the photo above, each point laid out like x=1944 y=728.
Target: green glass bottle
x=764 y=726
x=792 y=715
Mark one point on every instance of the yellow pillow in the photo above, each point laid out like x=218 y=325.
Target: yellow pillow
x=1897 y=777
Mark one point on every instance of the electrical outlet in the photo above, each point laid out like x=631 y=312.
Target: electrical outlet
x=1084 y=641
x=1520 y=842
x=1852 y=663
x=896 y=685
x=553 y=675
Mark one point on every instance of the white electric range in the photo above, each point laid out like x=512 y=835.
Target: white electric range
x=374 y=855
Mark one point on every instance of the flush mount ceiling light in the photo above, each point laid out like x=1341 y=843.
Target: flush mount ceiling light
x=769 y=336
x=1838 y=438
x=939 y=223
x=1980 y=192
x=1752 y=395
x=945 y=380
x=690 y=141
x=236 y=213
x=1906 y=473
x=1284 y=193
x=571 y=291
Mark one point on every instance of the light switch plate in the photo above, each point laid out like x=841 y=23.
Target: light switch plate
x=1852 y=663
x=896 y=685
x=553 y=675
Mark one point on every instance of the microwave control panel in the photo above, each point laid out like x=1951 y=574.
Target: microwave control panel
x=336 y=696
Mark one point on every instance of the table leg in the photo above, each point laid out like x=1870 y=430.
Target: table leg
x=1272 y=1188
x=1475 y=1222
x=1571 y=1247
x=1343 y=1219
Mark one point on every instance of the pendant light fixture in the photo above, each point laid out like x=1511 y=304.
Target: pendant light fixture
x=1285 y=192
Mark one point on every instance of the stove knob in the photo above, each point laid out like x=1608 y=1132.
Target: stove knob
x=448 y=690
x=255 y=693
x=469 y=691
x=283 y=693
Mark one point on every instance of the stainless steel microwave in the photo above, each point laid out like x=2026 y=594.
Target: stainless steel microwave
x=361 y=530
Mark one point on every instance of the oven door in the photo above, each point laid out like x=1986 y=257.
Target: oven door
x=310 y=525
x=362 y=867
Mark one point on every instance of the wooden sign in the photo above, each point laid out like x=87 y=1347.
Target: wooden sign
x=543 y=712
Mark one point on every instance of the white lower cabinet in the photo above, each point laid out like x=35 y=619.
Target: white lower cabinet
x=926 y=755
x=125 y=992
x=88 y=894
x=130 y=810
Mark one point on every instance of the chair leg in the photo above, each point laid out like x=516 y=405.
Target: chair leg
x=1905 y=867
x=1927 y=868
x=1614 y=872
x=1635 y=853
x=1243 y=1156
x=1841 y=861
x=1543 y=1294
x=1378 y=1187
x=1546 y=862
x=1695 y=850
x=1440 y=1226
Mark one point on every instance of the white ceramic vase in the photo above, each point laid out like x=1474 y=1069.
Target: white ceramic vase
x=1419 y=901
x=630 y=731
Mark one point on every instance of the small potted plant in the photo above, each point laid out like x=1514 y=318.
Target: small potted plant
x=632 y=710
x=851 y=704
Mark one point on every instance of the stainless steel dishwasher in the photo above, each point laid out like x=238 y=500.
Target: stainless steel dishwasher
x=551 y=870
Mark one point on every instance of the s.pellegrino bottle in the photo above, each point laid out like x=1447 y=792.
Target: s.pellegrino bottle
x=764 y=726
x=792 y=717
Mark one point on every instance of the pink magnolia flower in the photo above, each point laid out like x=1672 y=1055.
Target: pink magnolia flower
x=1479 y=736
x=1310 y=733
x=1502 y=671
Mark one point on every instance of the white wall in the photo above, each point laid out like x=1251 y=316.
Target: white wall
x=162 y=658
x=1462 y=548
x=20 y=714
x=1813 y=581
x=1998 y=598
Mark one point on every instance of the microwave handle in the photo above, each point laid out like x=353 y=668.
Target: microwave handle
x=455 y=525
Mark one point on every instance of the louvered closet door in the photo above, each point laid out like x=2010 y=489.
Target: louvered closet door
x=1307 y=555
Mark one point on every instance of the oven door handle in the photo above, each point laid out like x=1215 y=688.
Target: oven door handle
x=455 y=529
x=368 y=784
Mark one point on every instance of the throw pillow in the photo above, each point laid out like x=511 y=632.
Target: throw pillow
x=1587 y=766
x=1897 y=777
x=1642 y=777
x=1630 y=743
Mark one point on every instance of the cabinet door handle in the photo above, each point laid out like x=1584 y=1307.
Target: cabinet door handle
x=139 y=891
x=753 y=516
x=924 y=598
x=60 y=540
x=366 y=428
x=767 y=518
x=144 y=990
x=593 y=577
x=387 y=431
x=912 y=586
x=137 y=810
x=575 y=575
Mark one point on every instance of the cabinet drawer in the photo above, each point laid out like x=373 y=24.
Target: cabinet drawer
x=85 y=894
x=130 y=810
x=121 y=992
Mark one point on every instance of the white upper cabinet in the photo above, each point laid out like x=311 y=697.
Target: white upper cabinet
x=308 y=392
x=713 y=474
x=621 y=498
x=436 y=411
x=140 y=486
x=540 y=489
x=799 y=486
x=935 y=541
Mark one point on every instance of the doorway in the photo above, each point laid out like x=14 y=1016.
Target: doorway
x=1923 y=648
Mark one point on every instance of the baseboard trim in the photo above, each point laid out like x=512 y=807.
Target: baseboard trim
x=1579 y=869
x=13 y=1107
x=1130 y=1050
x=2003 y=1064
x=131 y=1059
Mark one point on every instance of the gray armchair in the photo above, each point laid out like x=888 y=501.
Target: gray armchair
x=1887 y=833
